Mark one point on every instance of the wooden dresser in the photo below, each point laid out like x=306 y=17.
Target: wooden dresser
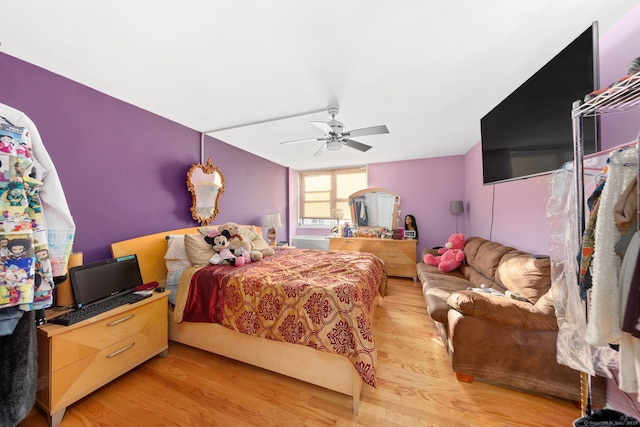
x=78 y=359
x=399 y=255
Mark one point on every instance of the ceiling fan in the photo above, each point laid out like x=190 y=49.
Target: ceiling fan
x=335 y=135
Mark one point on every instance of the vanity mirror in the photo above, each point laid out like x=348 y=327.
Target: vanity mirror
x=374 y=207
x=206 y=185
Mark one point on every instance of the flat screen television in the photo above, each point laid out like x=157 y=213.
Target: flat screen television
x=530 y=132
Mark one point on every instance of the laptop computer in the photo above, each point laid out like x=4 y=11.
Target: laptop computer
x=102 y=286
x=106 y=279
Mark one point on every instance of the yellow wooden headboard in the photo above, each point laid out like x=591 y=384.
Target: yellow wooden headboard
x=150 y=250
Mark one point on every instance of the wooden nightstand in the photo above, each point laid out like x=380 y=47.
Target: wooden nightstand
x=78 y=359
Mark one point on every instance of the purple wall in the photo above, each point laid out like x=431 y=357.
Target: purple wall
x=426 y=188
x=512 y=213
x=123 y=169
x=618 y=47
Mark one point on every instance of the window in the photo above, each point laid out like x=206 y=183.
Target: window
x=322 y=191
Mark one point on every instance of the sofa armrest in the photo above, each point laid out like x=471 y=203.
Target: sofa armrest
x=431 y=251
x=502 y=310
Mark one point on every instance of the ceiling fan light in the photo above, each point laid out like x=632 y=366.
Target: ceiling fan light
x=334 y=145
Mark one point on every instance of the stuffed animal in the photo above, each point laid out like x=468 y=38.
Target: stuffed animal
x=223 y=255
x=241 y=239
x=451 y=256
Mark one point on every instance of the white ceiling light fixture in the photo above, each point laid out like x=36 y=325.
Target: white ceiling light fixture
x=335 y=136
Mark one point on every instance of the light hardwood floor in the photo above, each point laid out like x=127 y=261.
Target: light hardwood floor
x=416 y=387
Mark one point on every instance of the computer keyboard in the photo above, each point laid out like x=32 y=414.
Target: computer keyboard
x=97 y=308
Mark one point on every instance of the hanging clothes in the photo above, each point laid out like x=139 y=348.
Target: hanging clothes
x=588 y=241
x=38 y=232
x=629 y=305
x=362 y=218
x=572 y=349
x=55 y=223
x=21 y=223
x=603 y=327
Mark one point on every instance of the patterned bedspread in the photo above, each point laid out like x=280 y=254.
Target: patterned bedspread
x=315 y=298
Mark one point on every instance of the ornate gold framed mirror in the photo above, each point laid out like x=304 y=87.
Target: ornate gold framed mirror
x=374 y=207
x=206 y=185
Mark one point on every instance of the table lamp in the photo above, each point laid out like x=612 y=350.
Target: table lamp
x=457 y=207
x=272 y=221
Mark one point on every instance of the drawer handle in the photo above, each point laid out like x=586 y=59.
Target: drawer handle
x=392 y=255
x=122 y=350
x=124 y=319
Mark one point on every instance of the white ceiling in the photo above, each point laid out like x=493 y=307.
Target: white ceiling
x=427 y=69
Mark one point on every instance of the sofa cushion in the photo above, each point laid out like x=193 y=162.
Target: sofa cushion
x=525 y=274
x=425 y=269
x=502 y=310
x=477 y=279
x=484 y=255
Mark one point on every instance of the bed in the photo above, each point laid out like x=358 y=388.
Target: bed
x=302 y=313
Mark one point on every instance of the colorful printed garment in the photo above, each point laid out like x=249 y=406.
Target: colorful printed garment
x=25 y=269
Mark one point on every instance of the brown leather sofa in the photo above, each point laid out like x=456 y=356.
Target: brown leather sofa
x=499 y=339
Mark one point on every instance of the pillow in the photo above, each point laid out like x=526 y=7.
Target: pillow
x=198 y=251
x=525 y=274
x=176 y=256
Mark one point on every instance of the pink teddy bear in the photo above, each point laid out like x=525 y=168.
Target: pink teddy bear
x=451 y=256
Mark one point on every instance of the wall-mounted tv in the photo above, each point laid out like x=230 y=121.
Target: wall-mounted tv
x=531 y=131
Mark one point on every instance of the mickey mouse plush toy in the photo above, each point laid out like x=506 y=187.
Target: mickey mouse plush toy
x=220 y=244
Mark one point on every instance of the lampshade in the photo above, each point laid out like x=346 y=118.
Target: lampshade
x=272 y=220
x=337 y=213
x=457 y=207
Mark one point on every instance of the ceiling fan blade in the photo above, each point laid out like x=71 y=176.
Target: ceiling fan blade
x=373 y=130
x=355 y=144
x=303 y=140
x=319 y=152
x=323 y=126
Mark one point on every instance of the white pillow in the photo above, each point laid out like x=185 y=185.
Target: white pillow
x=176 y=256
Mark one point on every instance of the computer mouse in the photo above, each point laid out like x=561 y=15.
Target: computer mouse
x=159 y=289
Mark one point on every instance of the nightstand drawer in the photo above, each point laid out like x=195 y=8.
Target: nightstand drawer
x=85 y=375
x=90 y=338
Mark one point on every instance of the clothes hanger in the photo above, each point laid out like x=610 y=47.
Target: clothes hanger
x=4 y=119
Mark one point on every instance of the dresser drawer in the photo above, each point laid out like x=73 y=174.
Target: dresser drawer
x=356 y=245
x=402 y=270
x=397 y=246
x=85 y=375
x=396 y=258
x=91 y=338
